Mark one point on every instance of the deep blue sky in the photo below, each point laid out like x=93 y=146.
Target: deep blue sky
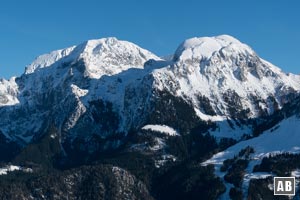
x=33 y=27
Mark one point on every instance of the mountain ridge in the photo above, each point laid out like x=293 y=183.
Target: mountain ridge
x=209 y=72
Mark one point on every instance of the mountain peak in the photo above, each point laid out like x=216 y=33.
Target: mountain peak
x=110 y=56
x=101 y=56
x=205 y=47
x=109 y=41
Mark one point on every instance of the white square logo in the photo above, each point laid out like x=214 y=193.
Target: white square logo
x=284 y=185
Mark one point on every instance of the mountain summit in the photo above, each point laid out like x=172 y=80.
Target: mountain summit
x=105 y=56
x=205 y=47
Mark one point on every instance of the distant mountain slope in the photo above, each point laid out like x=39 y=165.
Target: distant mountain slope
x=283 y=138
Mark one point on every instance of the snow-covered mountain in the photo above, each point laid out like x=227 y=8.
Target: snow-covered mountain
x=104 y=88
x=53 y=87
x=110 y=97
x=222 y=66
x=225 y=79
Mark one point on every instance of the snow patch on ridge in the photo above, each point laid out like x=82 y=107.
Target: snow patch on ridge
x=162 y=129
x=78 y=92
x=209 y=117
x=10 y=168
